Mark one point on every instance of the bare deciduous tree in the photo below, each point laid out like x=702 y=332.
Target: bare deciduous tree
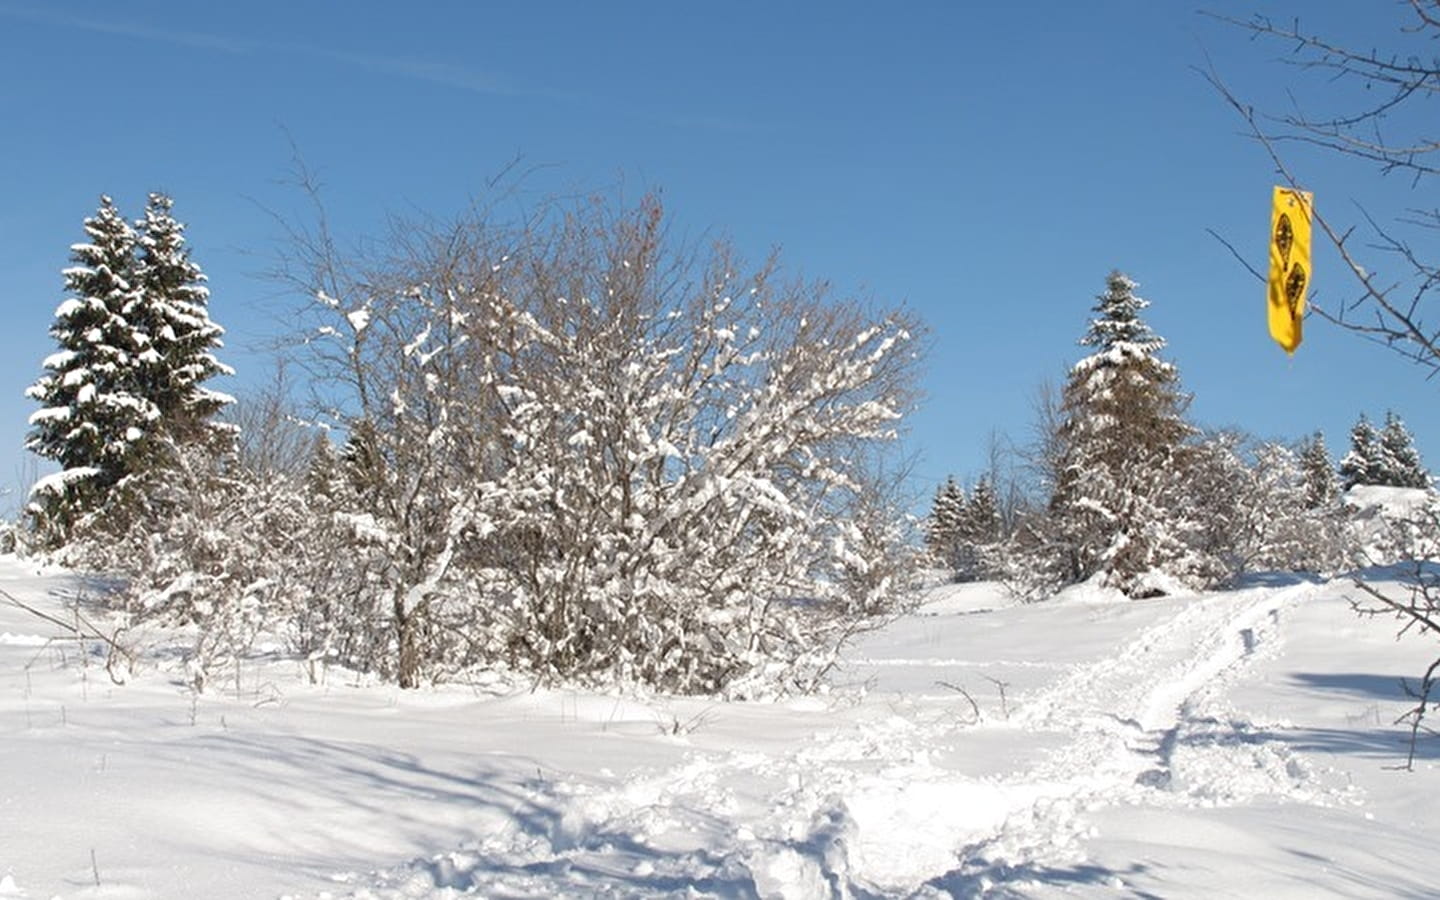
x=1371 y=108
x=1375 y=109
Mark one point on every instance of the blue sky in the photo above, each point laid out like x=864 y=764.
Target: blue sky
x=983 y=166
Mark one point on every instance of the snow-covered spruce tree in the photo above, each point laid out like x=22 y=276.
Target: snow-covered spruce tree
x=1363 y=463
x=1317 y=472
x=1118 y=508
x=171 y=309
x=121 y=396
x=584 y=453
x=93 y=420
x=942 y=525
x=1400 y=464
x=979 y=533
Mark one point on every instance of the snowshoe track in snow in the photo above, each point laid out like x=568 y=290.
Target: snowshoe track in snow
x=1148 y=728
x=865 y=810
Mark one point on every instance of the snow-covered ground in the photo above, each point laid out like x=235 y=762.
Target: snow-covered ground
x=1236 y=744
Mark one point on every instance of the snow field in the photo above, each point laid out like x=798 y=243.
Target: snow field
x=1228 y=744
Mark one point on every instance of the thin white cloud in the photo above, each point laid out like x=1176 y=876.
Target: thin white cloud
x=197 y=40
x=434 y=72
x=440 y=73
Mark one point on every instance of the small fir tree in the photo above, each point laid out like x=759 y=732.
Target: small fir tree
x=978 y=533
x=982 y=514
x=942 y=527
x=322 y=474
x=1317 y=473
x=1400 y=464
x=93 y=420
x=1362 y=465
x=170 y=310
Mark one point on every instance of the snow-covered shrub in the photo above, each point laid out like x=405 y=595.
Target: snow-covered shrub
x=581 y=452
x=241 y=548
x=1392 y=524
x=569 y=451
x=1036 y=561
x=196 y=545
x=1257 y=509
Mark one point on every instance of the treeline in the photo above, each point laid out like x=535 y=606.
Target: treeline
x=1132 y=493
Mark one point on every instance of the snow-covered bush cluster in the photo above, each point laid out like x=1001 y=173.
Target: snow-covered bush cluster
x=570 y=449
x=1263 y=506
x=1393 y=524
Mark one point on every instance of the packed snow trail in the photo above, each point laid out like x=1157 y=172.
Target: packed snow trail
x=1147 y=728
x=876 y=807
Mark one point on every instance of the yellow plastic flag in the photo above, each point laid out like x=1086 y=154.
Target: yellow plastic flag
x=1289 y=264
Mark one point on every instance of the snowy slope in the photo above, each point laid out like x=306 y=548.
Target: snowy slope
x=1231 y=744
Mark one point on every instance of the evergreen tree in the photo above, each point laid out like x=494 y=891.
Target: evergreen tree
x=1118 y=505
x=982 y=514
x=134 y=345
x=93 y=419
x=170 y=310
x=1317 y=473
x=323 y=474
x=978 y=532
x=942 y=527
x=1400 y=464
x=1362 y=465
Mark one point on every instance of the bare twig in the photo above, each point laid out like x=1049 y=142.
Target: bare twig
x=1236 y=253
x=83 y=629
x=1397 y=322
x=1420 y=612
x=1001 y=686
x=974 y=707
x=1415 y=717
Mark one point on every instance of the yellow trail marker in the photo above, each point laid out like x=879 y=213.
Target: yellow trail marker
x=1289 y=264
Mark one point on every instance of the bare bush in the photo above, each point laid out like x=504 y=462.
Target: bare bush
x=572 y=448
